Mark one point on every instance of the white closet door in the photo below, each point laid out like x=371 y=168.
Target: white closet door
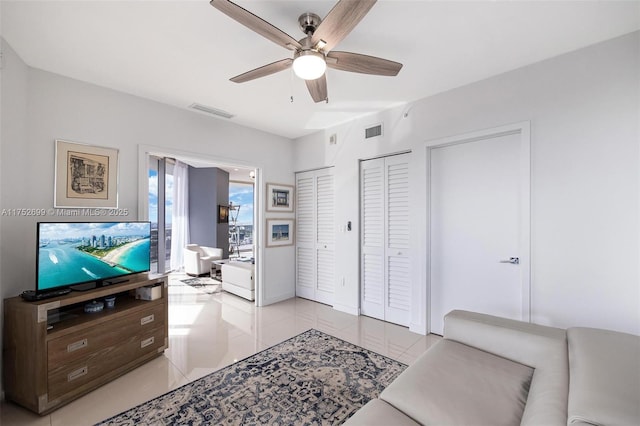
x=315 y=236
x=305 y=235
x=385 y=262
x=372 y=238
x=398 y=302
x=325 y=237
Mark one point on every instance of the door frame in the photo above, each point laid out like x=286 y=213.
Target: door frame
x=258 y=196
x=524 y=251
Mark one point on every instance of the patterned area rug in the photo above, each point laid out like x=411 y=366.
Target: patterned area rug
x=310 y=379
x=206 y=284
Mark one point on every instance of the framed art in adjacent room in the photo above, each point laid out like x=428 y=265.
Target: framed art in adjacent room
x=279 y=232
x=86 y=176
x=279 y=197
x=223 y=214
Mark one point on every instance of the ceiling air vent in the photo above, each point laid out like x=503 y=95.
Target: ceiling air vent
x=373 y=131
x=210 y=110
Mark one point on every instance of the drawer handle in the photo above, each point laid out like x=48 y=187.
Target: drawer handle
x=77 y=373
x=146 y=342
x=147 y=319
x=77 y=345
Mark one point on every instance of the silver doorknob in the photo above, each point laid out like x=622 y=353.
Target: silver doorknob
x=512 y=260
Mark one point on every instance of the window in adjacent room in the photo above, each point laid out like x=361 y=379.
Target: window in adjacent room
x=240 y=219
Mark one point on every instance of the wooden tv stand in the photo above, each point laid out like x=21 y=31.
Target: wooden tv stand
x=54 y=352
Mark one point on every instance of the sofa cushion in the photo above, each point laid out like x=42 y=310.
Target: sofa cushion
x=541 y=347
x=378 y=413
x=605 y=377
x=455 y=384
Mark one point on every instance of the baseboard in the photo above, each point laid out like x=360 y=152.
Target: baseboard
x=346 y=309
x=279 y=298
x=420 y=328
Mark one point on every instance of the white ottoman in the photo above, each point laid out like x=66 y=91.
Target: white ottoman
x=237 y=278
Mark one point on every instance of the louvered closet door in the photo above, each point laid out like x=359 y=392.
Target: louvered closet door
x=325 y=237
x=385 y=285
x=372 y=238
x=398 y=291
x=305 y=235
x=315 y=237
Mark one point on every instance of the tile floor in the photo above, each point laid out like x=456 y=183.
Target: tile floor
x=208 y=332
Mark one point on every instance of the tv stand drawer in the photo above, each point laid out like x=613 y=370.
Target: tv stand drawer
x=83 y=343
x=68 y=377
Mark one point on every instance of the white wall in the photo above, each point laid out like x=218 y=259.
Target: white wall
x=13 y=127
x=585 y=183
x=43 y=107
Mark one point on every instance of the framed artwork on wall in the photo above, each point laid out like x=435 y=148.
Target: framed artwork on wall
x=279 y=232
x=85 y=176
x=279 y=197
x=223 y=214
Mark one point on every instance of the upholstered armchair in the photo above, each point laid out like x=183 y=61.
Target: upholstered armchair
x=197 y=259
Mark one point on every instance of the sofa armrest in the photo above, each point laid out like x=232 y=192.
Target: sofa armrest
x=541 y=347
x=191 y=261
x=605 y=377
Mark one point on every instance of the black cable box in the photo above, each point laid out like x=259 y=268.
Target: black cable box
x=32 y=295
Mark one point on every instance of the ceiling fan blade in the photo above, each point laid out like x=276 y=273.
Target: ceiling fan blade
x=263 y=71
x=339 y=22
x=256 y=24
x=365 y=64
x=318 y=88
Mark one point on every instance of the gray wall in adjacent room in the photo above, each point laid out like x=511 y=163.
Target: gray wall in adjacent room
x=222 y=194
x=208 y=188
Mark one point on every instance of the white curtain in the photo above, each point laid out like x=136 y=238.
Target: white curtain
x=179 y=215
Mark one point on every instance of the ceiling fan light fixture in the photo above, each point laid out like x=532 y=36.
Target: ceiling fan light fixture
x=309 y=65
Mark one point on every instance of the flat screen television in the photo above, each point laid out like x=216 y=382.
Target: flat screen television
x=83 y=255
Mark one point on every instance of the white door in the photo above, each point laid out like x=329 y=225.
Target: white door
x=325 y=237
x=479 y=230
x=385 y=283
x=315 y=236
x=372 y=280
x=305 y=235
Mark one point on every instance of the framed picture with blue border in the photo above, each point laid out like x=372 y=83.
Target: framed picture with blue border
x=279 y=232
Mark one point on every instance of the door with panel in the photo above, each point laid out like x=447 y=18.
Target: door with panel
x=385 y=236
x=315 y=236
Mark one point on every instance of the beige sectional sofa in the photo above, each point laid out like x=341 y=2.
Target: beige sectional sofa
x=494 y=371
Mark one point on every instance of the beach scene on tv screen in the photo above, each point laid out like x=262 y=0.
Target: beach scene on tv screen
x=71 y=253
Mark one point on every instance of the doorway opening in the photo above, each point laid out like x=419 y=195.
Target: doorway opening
x=158 y=168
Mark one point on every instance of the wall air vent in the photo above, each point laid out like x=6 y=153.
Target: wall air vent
x=211 y=110
x=373 y=131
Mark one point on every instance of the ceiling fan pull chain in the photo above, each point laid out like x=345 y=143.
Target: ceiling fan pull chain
x=291 y=84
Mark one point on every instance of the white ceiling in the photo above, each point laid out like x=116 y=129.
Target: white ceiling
x=181 y=52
